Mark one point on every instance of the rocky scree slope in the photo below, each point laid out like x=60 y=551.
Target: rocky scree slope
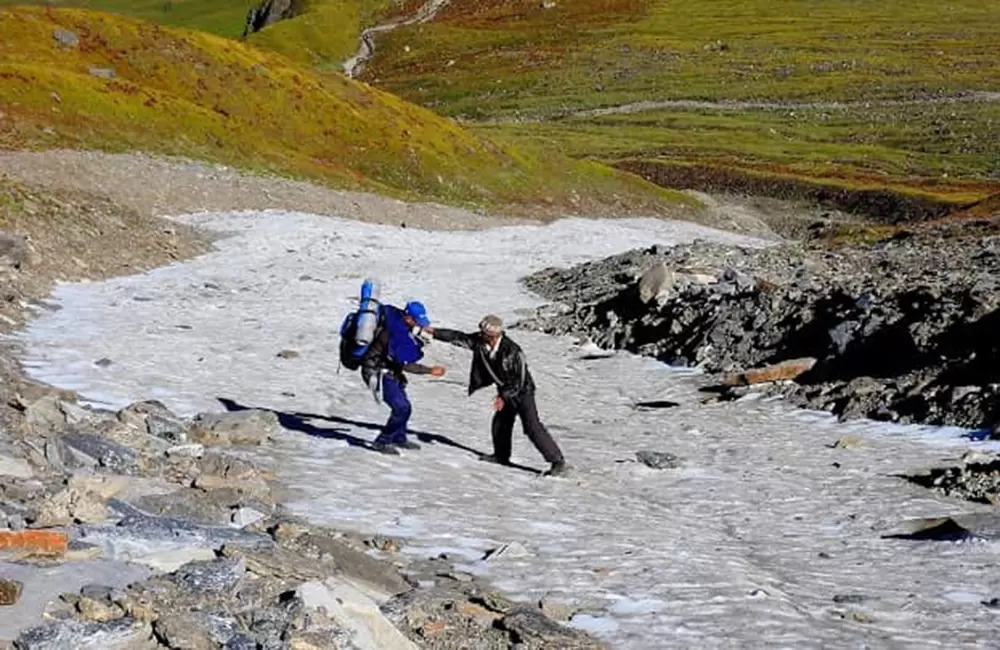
x=905 y=330
x=185 y=519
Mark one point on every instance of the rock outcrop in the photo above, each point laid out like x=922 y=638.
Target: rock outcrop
x=905 y=330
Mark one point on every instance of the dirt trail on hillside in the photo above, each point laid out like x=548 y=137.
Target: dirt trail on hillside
x=647 y=106
x=158 y=186
x=366 y=45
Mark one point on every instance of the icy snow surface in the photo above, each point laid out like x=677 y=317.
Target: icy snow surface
x=745 y=545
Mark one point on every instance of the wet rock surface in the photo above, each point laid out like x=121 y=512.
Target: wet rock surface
x=904 y=330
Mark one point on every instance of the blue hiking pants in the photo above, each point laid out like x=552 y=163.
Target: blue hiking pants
x=394 y=394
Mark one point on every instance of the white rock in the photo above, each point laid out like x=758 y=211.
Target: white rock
x=45 y=415
x=511 y=550
x=655 y=283
x=16 y=467
x=192 y=450
x=355 y=611
x=700 y=278
x=173 y=559
x=100 y=484
x=75 y=414
x=975 y=457
x=243 y=517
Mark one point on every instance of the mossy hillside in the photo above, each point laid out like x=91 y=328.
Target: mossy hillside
x=193 y=94
x=323 y=34
x=220 y=17
x=501 y=58
x=945 y=146
x=890 y=62
x=324 y=30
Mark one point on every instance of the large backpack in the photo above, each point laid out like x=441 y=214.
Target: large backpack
x=352 y=353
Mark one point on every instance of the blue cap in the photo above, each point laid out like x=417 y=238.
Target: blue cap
x=418 y=313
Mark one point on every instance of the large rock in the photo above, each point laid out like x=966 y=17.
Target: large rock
x=655 y=283
x=268 y=12
x=243 y=517
x=356 y=564
x=658 y=459
x=122 y=634
x=15 y=467
x=164 y=543
x=14 y=250
x=104 y=486
x=253 y=427
x=69 y=506
x=65 y=38
x=240 y=477
x=534 y=630
x=10 y=591
x=34 y=541
x=783 y=371
x=190 y=504
x=156 y=419
x=227 y=466
x=978 y=525
x=510 y=550
x=45 y=415
x=107 y=453
x=352 y=609
x=190 y=450
x=99 y=610
x=185 y=631
x=221 y=575
x=170 y=560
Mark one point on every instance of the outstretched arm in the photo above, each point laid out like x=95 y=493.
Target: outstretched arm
x=454 y=337
x=421 y=369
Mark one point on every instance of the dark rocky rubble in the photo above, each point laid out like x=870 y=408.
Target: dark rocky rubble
x=904 y=330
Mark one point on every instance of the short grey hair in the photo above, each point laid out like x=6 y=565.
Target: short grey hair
x=491 y=325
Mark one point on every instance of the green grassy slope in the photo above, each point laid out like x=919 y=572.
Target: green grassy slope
x=220 y=17
x=501 y=62
x=325 y=33
x=190 y=93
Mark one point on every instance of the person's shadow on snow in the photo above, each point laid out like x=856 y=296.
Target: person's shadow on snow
x=299 y=422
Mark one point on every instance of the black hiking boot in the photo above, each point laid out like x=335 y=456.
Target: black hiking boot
x=407 y=444
x=385 y=448
x=558 y=469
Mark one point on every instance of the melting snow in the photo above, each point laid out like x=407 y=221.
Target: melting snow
x=745 y=545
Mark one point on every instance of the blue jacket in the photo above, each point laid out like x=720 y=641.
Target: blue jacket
x=395 y=348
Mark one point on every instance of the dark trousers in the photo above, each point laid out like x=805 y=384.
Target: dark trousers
x=503 y=429
x=394 y=394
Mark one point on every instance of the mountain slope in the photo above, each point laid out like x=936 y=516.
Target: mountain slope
x=85 y=79
x=897 y=95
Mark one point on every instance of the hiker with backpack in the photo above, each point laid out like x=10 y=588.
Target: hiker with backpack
x=498 y=360
x=385 y=345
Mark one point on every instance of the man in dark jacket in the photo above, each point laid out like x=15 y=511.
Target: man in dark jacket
x=396 y=349
x=498 y=360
